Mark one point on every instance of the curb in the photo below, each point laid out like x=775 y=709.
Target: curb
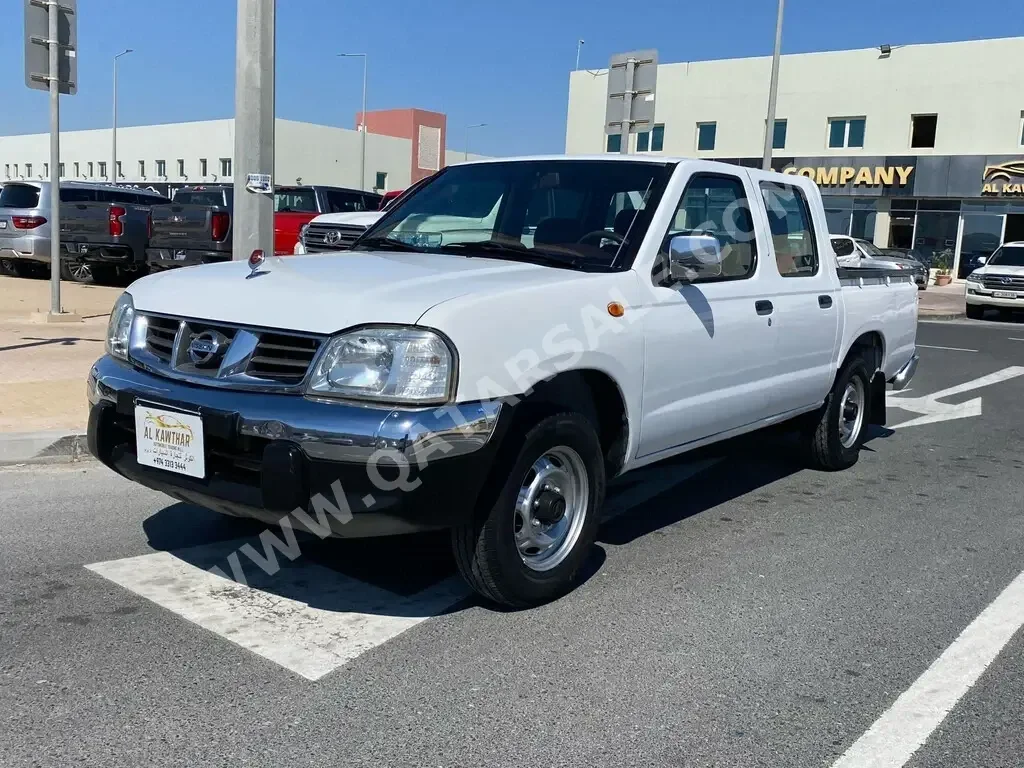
x=43 y=448
x=947 y=316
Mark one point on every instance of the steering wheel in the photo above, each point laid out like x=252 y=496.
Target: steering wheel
x=602 y=234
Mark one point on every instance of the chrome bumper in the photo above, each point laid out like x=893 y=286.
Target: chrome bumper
x=905 y=374
x=323 y=429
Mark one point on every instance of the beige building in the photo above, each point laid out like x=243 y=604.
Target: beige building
x=913 y=146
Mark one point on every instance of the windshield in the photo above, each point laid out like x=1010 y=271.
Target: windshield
x=1008 y=256
x=297 y=200
x=19 y=196
x=870 y=249
x=199 y=197
x=580 y=213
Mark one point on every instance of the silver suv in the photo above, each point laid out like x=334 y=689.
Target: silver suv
x=104 y=229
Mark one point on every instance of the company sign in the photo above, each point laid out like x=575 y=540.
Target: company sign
x=864 y=176
x=1004 y=179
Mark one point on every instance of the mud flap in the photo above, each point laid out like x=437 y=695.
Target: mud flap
x=876 y=398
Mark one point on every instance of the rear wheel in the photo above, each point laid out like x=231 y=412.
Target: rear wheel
x=27 y=268
x=835 y=434
x=975 y=311
x=76 y=271
x=7 y=267
x=528 y=547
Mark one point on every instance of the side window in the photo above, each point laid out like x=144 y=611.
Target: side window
x=77 y=195
x=789 y=219
x=842 y=246
x=717 y=205
x=344 y=202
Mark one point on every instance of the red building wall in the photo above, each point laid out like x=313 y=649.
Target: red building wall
x=426 y=130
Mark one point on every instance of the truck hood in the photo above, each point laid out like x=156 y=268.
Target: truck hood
x=324 y=294
x=998 y=269
x=362 y=218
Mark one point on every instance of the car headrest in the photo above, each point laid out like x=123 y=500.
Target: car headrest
x=555 y=231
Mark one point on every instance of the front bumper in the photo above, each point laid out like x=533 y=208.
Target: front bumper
x=268 y=455
x=985 y=297
x=28 y=246
x=165 y=258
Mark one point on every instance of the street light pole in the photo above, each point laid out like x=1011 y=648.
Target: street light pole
x=468 y=127
x=113 y=149
x=773 y=91
x=362 y=121
x=579 y=45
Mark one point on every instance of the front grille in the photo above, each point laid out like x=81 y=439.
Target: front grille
x=331 y=237
x=1003 y=283
x=282 y=357
x=232 y=356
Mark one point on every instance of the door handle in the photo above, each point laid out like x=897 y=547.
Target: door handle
x=764 y=307
x=824 y=302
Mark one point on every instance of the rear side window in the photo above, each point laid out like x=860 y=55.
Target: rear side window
x=297 y=200
x=718 y=206
x=77 y=195
x=789 y=219
x=344 y=202
x=199 y=197
x=842 y=246
x=19 y=196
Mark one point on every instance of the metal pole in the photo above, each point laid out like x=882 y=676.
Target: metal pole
x=468 y=129
x=579 y=45
x=362 y=139
x=55 y=307
x=113 y=149
x=773 y=90
x=253 y=227
x=627 y=107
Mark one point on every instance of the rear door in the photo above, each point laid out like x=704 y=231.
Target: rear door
x=83 y=217
x=801 y=268
x=711 y=340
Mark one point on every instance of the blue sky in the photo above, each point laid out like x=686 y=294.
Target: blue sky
x=501 y=63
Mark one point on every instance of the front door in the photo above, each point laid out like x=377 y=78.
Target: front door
x=709 y=340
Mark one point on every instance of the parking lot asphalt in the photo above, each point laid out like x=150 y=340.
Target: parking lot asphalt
x=738 y=610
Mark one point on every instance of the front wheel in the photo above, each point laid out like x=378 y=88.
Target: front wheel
x=975 y=311
x=528 y=547
x=837 y=430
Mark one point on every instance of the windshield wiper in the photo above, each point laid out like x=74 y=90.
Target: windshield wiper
x=385 y=244
x=492 y=249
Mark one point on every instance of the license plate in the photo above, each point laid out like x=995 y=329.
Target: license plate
x=169 y=440
x=1004 y=294
x=179 y=255
x=3 y=225
x=83 y=248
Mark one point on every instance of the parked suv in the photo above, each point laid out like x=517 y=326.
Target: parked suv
x=102 y=229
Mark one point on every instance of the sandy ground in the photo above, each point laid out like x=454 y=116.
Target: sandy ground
x=43 y=366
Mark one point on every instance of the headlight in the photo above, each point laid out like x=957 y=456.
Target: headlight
x=120 y=327
x=400 y=365
x=302 y=233
x=976 y=279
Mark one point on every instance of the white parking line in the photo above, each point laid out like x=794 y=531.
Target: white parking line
x=951 y=349
x=307 y=618
x=919 y=710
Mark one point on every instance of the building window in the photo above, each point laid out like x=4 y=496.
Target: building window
x=779 y=134
x=225 y=166
x=60 y=170
x=846 y=132
x=117 y=171
x=161 y=169
x=28 y=170
x=653 y=140
x=614 y=143
x=181 y=168
x=922 y=131
x=78 y=171
x=202 y=167
x=7 y=170
x=706 y=136
x=142 y=169
x=15 y=170
x=103 y=170
x=89 y=169
x=382 y=180
x=1022 y=127
x=46 y=170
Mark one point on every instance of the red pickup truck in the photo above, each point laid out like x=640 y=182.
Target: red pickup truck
x=295 y=206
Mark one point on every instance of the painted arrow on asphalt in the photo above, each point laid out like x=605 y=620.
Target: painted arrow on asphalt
x=933 y=411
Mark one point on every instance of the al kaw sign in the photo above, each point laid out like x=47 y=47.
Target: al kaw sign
x=877 y=176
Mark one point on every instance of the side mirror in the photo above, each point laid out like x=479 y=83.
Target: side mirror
x=694 y=256
x=982 y=261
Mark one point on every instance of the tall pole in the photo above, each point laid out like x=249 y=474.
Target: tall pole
x=55 y=308
x=627 y=107
x=253 y=226
x=773 y=91
x=113 y=148
x=468 y=129
x=362 y=120
x=579 y=44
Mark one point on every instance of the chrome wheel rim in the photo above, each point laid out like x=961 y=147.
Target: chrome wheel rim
x=80 y=271
x=551 y=508
x=851 y=413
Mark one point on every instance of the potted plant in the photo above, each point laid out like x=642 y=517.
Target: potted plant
x=943 y=263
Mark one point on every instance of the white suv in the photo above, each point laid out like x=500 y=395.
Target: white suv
x=998 y=283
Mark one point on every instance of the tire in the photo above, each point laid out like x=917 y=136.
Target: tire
x=492 y=556
x=27 y=268
x=975 y=311
x=7 y=267
x=104 y=274
x=75 y=271
x=830 y=446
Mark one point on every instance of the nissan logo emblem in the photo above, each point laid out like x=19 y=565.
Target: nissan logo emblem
x=206 y=347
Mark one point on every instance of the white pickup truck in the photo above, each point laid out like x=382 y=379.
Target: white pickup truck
x=500 y=344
